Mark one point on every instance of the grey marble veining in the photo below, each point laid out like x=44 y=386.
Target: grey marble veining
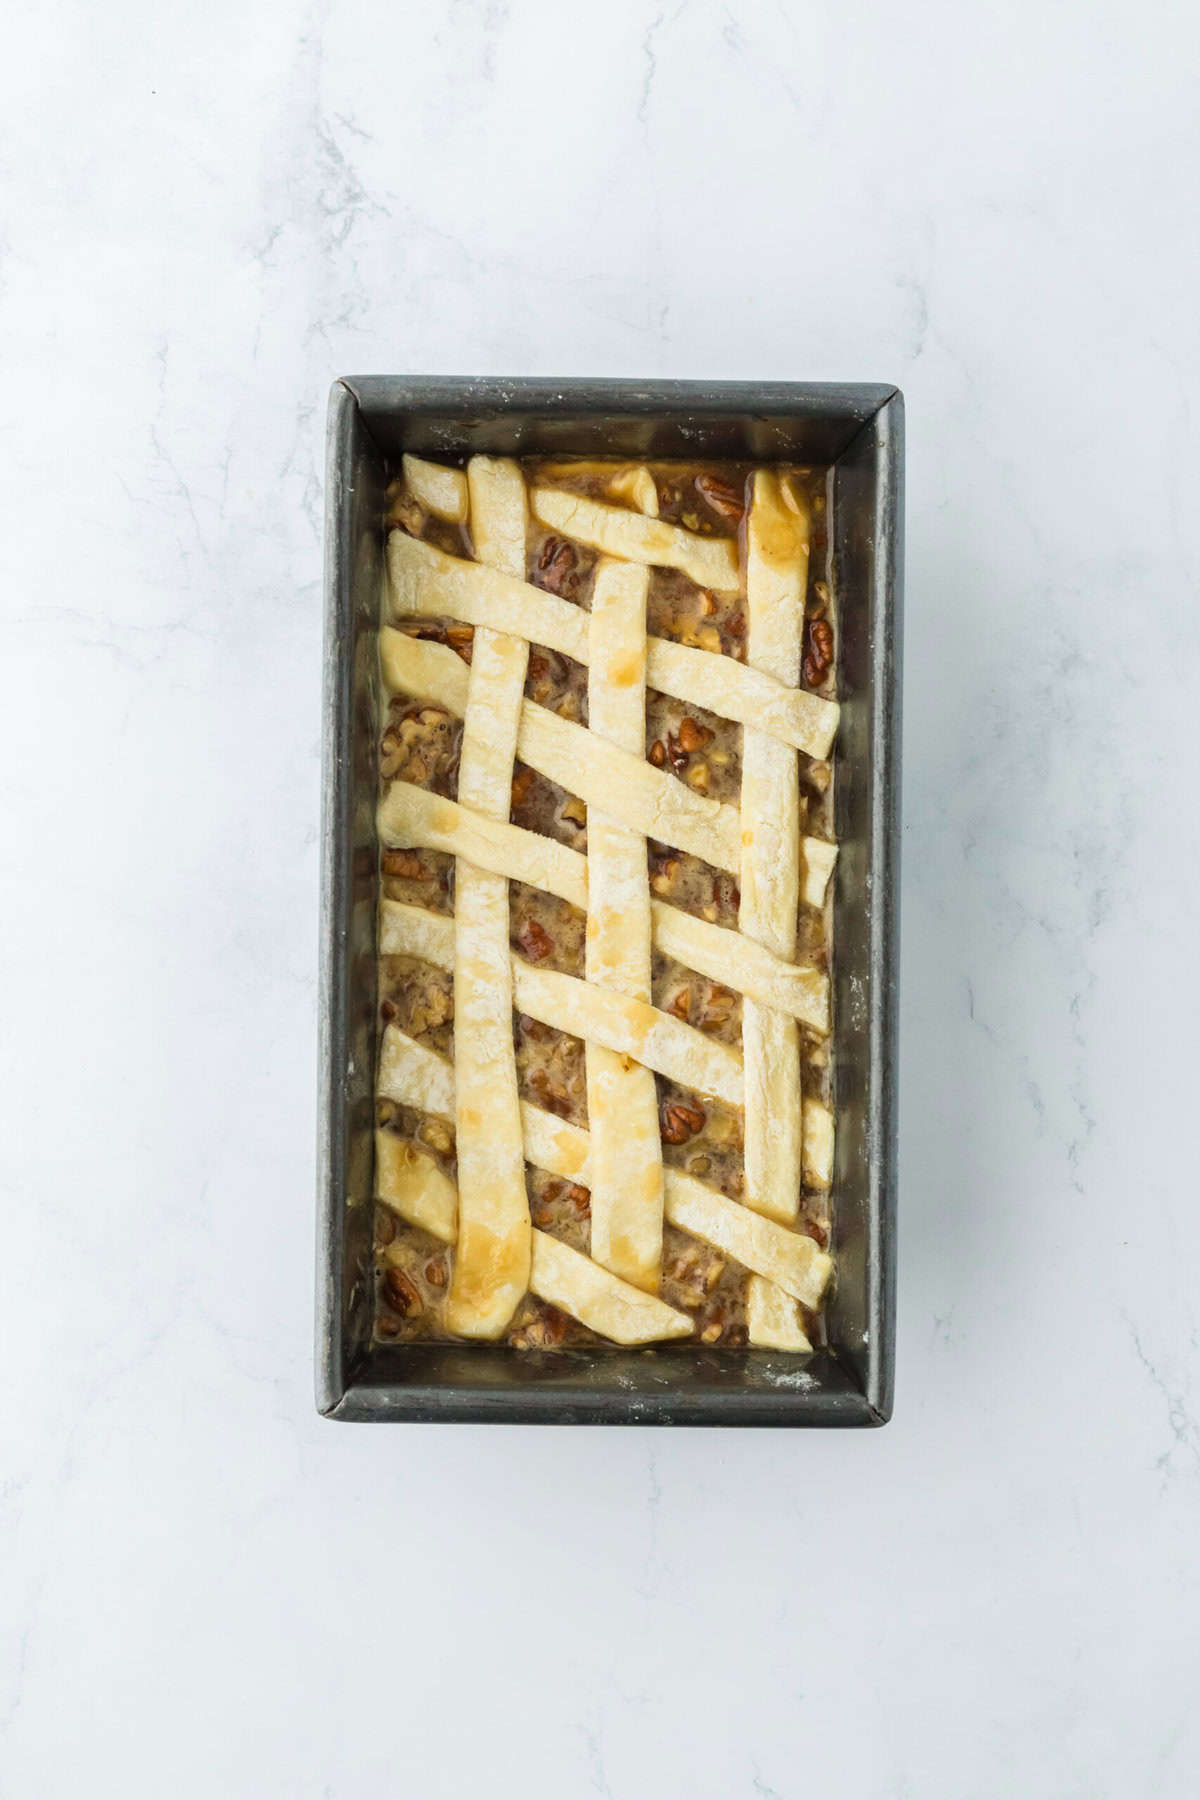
x=206 y=215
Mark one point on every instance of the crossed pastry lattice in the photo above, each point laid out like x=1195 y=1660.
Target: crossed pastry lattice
x=499 y=1256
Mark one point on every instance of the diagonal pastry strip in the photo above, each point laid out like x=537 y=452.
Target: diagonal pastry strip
x=427 y=583
x=409 y=1181
x=440 y=490
x=653 y=802
x=412 y=819
x=711 y=562
x=787 y=1258
x=630 y=1028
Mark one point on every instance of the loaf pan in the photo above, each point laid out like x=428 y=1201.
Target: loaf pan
x=859 y=430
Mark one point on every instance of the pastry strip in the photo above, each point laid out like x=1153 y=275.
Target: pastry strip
x=788 y=1258
x=426 y=583
x=651 y=801
x=818 y=1144
x=414 y=1076
x=491 y=1263
x=622 y=1100
x=713 y=950
x=773 y=1317
x=599 y=1299
x=439 y=490
x=630 y=483
x=776 y=572
x=410 y=1183
x=711 y=562
x=819 y=858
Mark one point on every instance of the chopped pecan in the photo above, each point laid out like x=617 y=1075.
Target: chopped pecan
x=581 y=1199
x=552 y=1098
x=663 y=878
x=406 y=865
x=658 y=753
x=403 y=1294
x=556 y=566
x=735 y=625
x=522 y=781
x=535 y=941
x=677 y=756
x=435 y=1272
x=818 y=654
x=681 y=1005
x=718 y=1008
x=817 y=1232
x=461 y=638
x=385 y=1226
x=693 y=735
x=387 y=1325
x=543 y=1333
x=721 y=496
x=542 y=1216
x=680 y=1122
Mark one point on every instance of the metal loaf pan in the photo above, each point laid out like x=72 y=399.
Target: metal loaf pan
x=858 y=429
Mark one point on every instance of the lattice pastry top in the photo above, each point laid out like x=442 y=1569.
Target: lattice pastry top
x=593 y=990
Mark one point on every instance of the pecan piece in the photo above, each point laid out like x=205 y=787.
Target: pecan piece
x=461 y=638
x=663 y=878
x=403 y=1294
x=406 y=865
x=535 y=941
x=693 y=735
x=721 y=496
x=435 y=1272
x=542 y=1333
x=556 y=566
x=680 y=1122
x=581 y=1199
x=818 y=654
x=522 y=781
x=552 y=1098
x=658 y=753
x=677 y=756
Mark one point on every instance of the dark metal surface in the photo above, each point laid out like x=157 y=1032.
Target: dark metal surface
x=859 y=429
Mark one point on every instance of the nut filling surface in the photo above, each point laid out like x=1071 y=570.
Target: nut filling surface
x=604 y=1106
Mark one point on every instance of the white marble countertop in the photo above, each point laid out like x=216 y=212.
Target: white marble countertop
x=209 y=213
